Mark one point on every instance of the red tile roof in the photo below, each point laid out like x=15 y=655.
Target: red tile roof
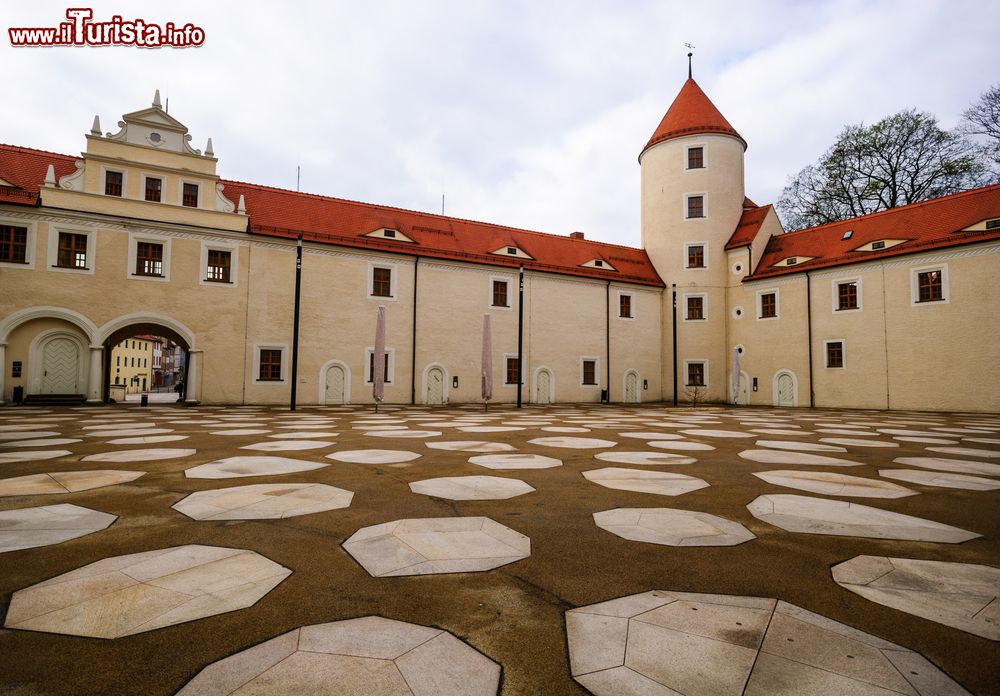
x=281 y=213
x=748 y=226
x=690 y=113
x=932 y=224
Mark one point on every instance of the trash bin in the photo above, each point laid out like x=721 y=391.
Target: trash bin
x=604 y=396
x=144 y=399
x=18 y=395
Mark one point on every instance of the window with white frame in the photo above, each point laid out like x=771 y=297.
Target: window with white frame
x=695 y=206
x=389 y=366
x=71 y=249
x=381 y=281
x=929 y=285
x=696 y=255
x=511 y=369
x=696 y=307
x=626 y=305
x=148 y=257
x=846 y=295
x=695 y=373
x=696 y=157
x=270 y=362
x=500 y=292
x=17 y=244
x=834 y=351
x=768 y=305
x=114 y=183
x=589 y=370
x=219 y=263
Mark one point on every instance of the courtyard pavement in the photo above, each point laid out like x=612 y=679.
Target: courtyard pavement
x=546 y=550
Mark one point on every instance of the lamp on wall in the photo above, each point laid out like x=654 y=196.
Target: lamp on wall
x=454 y=382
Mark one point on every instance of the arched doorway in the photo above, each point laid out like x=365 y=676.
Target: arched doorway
x=743 y=390
x=336 y=383
x=435 y=385
x=147 y=353
x=785 y=389
x=61 y=368
x=544 y=386
x=631 y=387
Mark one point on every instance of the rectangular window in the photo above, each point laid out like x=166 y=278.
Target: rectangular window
x=696 y=256
x=371 y=368
x=512 y=251
x=876 y=246
x=696 y=158
x=929 y=287
x=153 y=189
x=992 y=224
x=500 y=293
x=270 y=365
x=625 y=306
x=511 y=373
x=696 y=374
x=190 y=196
x=847 y=295
x=148 y=259
x=590 y=372
x=695 y=308
x=835 y=354
x=696 y=206
x=113 y=184
x=72 y=250
x=13 y=244
x=768 y=305
x=382 y=282
x=218 y=265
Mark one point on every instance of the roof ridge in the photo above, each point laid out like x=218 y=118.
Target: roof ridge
x=898 y=208
x=421 y=212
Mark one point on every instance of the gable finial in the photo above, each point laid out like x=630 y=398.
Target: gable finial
x=209 y=151
x=96 y=128
x=156 y=100
x=690 y=48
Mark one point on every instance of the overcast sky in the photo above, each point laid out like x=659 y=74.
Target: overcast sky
x=530 y=114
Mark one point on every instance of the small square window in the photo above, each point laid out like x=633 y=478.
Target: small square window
x=72 y=252
x=696 y=256
x=148 y=259
x=625 y=306
x=930 y=287
x=768 y=305
x=190 y=196
x=153 y=189
x=696 y=158
x=847 y=295
x=13 y=244
x=834 y=353
x=382 y=282
x=371 y=368
x=219 y=263
x=590 y=372
x=598 y=263
x=113 y=184
x=389 y=233
x=270 y=365
x=695 y=374
x=696 y=206
x=695 y=308
x=792 y=261
x=511 y=373
x=500 y=293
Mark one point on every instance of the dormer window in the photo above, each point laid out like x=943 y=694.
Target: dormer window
x=512 y=251
x=848 y=234
x=598 y=263
x=601 y=264
x=880 y=244
x=792 y=261
x=993 y=224
x=877 y=246
x=391 y=234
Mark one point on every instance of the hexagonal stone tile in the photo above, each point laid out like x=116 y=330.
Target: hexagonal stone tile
x=28 y=528
x=573 y=442
x=373 y=456
x=701 y=432
x=288 y=445
x=666 y=643
x=960 y=595
x=140 y=455
x=125 y=595
x=147 y=439
x=403 y=433
x=798 y=513
x=31 y=455
x=43 y=442
x=65 y=481
x=797 y=446
x=436 y=545
x=264 y=501
x=357 y=657
x=515 y=461
x=471 y=446
x=801 y=458
x=237 y=467
x=681 y=445
x=941 y=479
x=659 y=482
x=959 y=466
x=471 y=487
x=645 y=458
x=671 y=527
x=828 y=483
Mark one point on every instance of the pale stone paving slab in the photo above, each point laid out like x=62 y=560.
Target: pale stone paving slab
x=966 y=451
x=28 y=528
x=797 y=513
x=658 y=482
x=125 y=595
x=645 y=458
x=44 y=442
x=288 y=445
x=358 y=657
x=669 y=643
x=573 y=442
x=514 y=461
x=829 y=483
x=471 y=446
x=960 y=595
x=27 y=435
x=147 y=440
x=472 y=487
x=798 y=446
x=960 y=466
x=698 y=432
x=240 y=431
x=31 y=455
x=785 y=457
x=853 y=442
x=264 y=501
x=436 y=545
x=238 y=467
x=942 y=479
x=680 y=445
x=65 y=481
x=373 y=456
x=140 y=455
x=403 y=433
x=671 y=527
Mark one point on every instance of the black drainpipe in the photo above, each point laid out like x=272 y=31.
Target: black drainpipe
x=413 y=344
x=607 y=338
x=520 y=333
x=295 y=322
x=673 y=327
x=809 y=323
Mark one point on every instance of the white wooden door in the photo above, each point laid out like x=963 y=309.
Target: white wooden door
x=335 y=385
x=743 y=390
x=435 y=386
x=786 y=390
x=631 y=388
x=542 y=386
x=60 y=367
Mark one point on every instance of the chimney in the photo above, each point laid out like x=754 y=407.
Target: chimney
x=576 y=235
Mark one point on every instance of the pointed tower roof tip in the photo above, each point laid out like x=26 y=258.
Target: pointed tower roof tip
x=156 y=100
x=691 y=113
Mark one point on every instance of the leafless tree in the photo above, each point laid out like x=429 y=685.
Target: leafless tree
x=695 y=393
x=982 y=122
x=904 y=158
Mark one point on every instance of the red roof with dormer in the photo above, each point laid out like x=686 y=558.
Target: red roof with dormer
x=321 y=219
x=691 y=113
x=933 y=224
x=749 y=225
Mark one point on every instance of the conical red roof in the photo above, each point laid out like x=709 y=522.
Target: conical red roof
x=692 y=112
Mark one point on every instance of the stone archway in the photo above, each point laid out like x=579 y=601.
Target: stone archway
x=130 y=325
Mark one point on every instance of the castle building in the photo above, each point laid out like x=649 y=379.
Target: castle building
x=140 y=236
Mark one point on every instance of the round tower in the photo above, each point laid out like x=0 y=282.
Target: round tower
x=692 y=200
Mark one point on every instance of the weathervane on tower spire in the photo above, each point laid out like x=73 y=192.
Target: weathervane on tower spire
x=690 y=48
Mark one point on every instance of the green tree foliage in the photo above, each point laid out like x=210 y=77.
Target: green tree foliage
x=904 y=158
